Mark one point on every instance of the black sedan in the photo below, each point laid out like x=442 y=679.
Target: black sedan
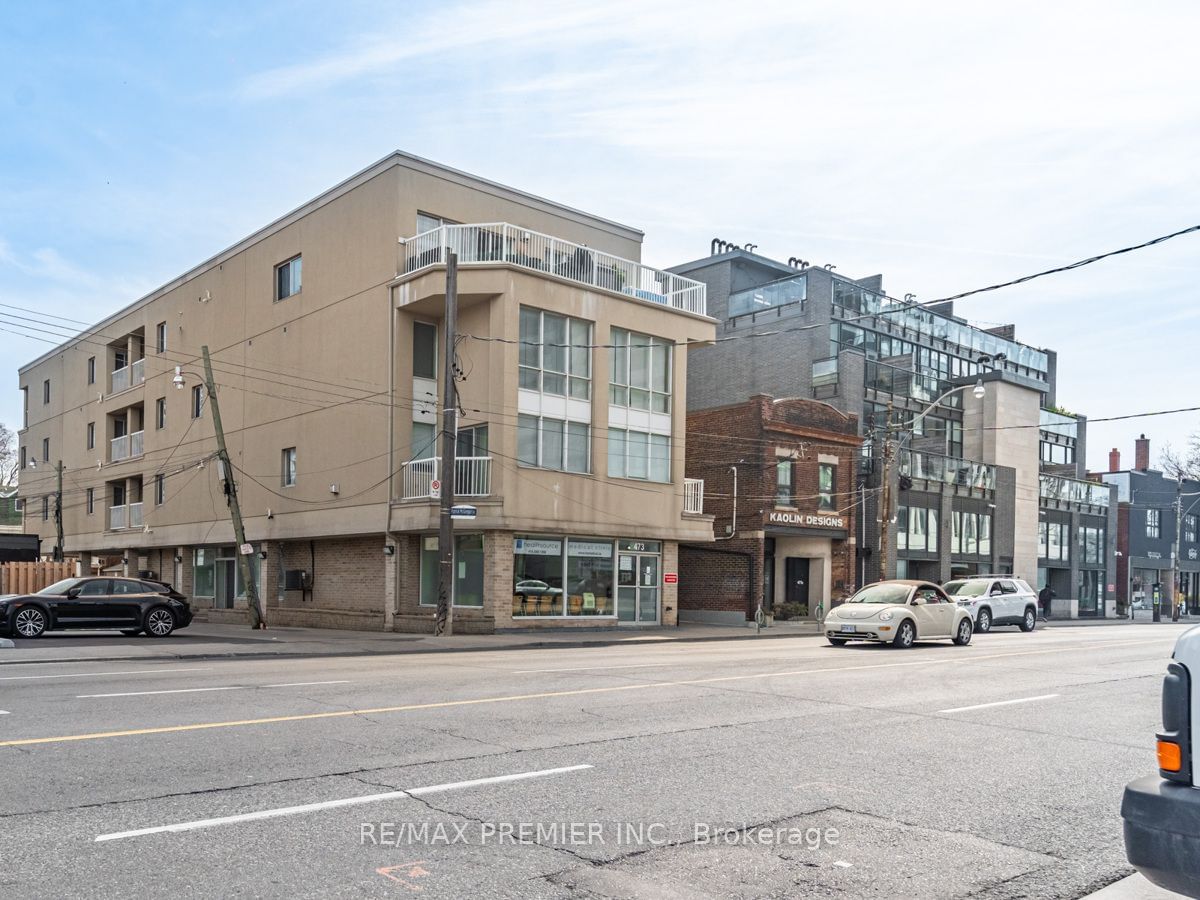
x=130 y=605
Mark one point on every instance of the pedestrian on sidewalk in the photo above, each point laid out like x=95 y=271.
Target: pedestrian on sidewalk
x=1045 y=595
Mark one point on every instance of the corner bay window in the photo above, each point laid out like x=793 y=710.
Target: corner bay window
x=556 y=354
x=468 y=570
x=555 y=576
x=553 y=443
x=639 y=371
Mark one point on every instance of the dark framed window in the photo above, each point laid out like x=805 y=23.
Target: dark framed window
x=91 y=370
x=91 y=500
x=783 y=482
x=160 y=337
x=288 y=467
x=160 y=413
x=46 y=391
x=425 y=355
x=91 y=435
x=287 y=278
x=45 y=449
x=160 y=489
x=197 y=401
x=1153 y=523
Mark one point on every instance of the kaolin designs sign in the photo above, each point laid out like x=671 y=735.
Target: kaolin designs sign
x=791 y=518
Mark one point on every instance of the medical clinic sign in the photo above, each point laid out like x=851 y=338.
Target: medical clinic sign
x=806 y=520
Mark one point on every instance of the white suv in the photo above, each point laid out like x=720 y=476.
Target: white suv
x=1162 y=812
x=995 y=600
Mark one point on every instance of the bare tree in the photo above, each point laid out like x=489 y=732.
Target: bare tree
x=1185 y=463
x=8 y=455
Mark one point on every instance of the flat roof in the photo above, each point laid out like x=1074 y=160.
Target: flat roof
x=393 y=159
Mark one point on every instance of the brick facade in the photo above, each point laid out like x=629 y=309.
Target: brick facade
x=726 y=581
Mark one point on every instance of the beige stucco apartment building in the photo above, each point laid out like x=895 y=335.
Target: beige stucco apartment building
x=325 y=329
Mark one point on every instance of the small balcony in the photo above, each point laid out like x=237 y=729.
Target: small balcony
x=129 y=376
x=693 y=495
x=128 y=446
x=473 y=478
x=127 y=516
x=512 y=245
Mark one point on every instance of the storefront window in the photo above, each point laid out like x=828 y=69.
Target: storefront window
x=555 y=576
x=468 y=570
x=204 y=574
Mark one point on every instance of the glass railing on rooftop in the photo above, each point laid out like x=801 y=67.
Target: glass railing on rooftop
x=1072 y=490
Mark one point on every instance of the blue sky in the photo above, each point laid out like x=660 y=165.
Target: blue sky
x=944 y=145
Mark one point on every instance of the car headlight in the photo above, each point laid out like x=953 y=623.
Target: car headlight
x=886 y=615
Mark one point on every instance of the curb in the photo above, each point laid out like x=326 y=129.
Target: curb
x=329 y=654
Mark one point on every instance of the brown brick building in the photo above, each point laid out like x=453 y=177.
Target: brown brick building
x=789 y=468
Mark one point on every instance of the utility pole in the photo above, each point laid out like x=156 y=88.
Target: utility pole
x=257 y=615
x=444 y=621
x=58 y=511
x=885 y=502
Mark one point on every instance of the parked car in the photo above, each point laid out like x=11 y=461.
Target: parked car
x=996 y=600
x=1162 y=812
x=130 y=605
x=899 y=613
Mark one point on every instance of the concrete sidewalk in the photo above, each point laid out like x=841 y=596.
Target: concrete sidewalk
x=208 y=641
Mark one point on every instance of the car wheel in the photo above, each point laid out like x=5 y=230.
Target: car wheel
x=963 y=637
x=160 y=622
x=905 y=635
x=30 y=622
x=1030 y=621
x=131 y=632
x=983 y=621
x=837 y=642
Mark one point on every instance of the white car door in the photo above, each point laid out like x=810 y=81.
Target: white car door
x=1011 y=598
x=935 y=617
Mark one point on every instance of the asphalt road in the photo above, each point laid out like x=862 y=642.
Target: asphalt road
x=783 y=768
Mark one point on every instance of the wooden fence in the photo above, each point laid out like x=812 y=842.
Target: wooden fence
x=27 y=577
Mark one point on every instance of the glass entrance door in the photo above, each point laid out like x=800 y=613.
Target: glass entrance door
x=226 y=583
x=638 y=589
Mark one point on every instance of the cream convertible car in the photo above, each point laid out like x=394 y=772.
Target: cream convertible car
x=899 y=612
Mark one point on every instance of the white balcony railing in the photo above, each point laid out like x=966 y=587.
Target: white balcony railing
x=137 y=443
x=693 y=495
x=120 y=448
x=129 y=376
x=135 y=515
x=118 y=517
x=473 y=477
x=511 y=244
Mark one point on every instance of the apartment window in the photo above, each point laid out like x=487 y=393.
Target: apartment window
x=428 y=222
x=289 y=467
x=160 y=489
x=424 y=440
x=91 y=501
x=287 y=278
x=424 y=350
x=23 y=459
x=826 y=480
x=472 y=441
x=45 y=449
x=24 y=406
x=639 y=454
x=1153 y=523
x=639 y=371
x=160 y=413
x=91 y=370
x=547 y=363
x=917 y=529
x=197 y=401
x=160 y=337
x=45 y=509
x=91 y=435
x=46 y=391
x=553 y=444
x=784 y=470
x=1189 y=529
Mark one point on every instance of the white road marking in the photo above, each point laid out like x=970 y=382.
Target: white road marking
x=998 y=703
x=236 y=687
x=104 y=674
x=3 y=712
x=593 y=668
x=335 y=804
x=305 y=683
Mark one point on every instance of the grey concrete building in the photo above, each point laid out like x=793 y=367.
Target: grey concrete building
x=987 y=480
